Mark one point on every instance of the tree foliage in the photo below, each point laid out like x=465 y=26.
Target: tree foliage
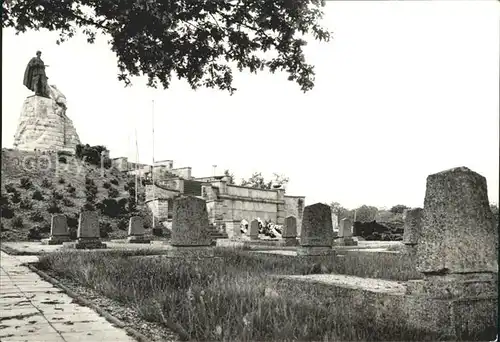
x=229 y=176
x=200 y=40
x=398 y=209
x=258 y=181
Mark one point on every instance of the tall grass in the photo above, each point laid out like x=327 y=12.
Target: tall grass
x=232 y=297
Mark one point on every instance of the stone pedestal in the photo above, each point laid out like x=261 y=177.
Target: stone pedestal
x=314 y=251
x=457 y=254
x=43 y=125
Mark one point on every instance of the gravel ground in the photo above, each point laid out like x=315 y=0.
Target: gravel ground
x=154 y=331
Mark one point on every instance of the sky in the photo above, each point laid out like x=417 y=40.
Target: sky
x=404 y=89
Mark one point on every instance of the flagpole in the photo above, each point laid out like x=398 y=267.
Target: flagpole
x=136 y=166
x=153 y=167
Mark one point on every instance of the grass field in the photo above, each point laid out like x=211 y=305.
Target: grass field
x=234 y=297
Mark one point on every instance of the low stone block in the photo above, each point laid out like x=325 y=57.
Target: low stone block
x=85 y=244
x=290 y=241
x=56 y=240
x=138 y=239
x=290 y=228
x=315 y=250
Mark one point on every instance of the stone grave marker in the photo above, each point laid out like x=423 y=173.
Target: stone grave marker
x=136 y=230
x=457 y=254
x=88 y=233
x=59 y=232
x=190 y=231
x=290 y=231
x=413 y=219
x=345 y=233
x=254 y=230
x=317 y=230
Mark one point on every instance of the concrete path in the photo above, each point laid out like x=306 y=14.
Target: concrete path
x=32 y=309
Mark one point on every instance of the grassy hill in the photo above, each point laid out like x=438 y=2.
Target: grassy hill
x=35 y=186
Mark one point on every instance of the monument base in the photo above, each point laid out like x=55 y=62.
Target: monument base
x=254 y=237
x=290 y=241
x=190 y=252
x=459 y=306
x=314 y=250
x=85 y=244
x=56 y=240
x=346 y=241
x=138 y=239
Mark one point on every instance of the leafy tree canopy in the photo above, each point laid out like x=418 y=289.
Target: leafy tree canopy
x=200 y=40
x=258 y=181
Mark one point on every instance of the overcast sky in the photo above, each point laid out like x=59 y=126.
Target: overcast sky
x=405 y=89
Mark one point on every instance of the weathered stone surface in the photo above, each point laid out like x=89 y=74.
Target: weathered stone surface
x=43 y=124
x=58 y=231
x=413 y=225
x=233 y=229
x=190 y=222
x=254 y=229
x=88 y=225
x=136 y=226
x=345 y=229
x=458 y=235
x=290 y=228
x=317 y=229
x=59 y=225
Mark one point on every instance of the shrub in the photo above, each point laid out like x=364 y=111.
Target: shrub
x=70 y=188
x=73 y=233
x=122 y=204
x=157 y=231
x=37 y=195
x=56 y=195
x=46 y=183
x=26 y=203
x=110 y=207
x=34 y=233
x=45 y=227
x=26 y=183
x=105 y=229
x=17 y=222
x=91 y=154
x=106 y=185
x=36 y=216
x=122 y=224
x=114 y=181
x=16 y=198
x=53 y=207
x=61 y=180
x=67 y=202
x=113 y=193
x=10 y=188
x=64 y=153
x=89 y=206
x=62 y=159
x=7 y=212
x=73 y=221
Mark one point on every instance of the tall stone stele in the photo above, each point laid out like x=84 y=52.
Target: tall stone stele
x=43 y=123
x=457 y=254
x=317 y=230
x=190 y=233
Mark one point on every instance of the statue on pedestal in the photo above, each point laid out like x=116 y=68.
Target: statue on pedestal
x=35 y=78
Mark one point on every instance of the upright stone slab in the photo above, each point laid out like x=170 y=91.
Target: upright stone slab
x=345 y=233
x=190 y=231
x=233 y=228
x=317 y=230
x=290 y=231
x=136 y=230
x=58 y=231
x=88 y=233
x=413 y=219
x=458 y=234
x=458 y=257
x=413 y=225
x=254 y=230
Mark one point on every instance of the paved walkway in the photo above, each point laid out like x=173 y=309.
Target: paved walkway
x=32 y=309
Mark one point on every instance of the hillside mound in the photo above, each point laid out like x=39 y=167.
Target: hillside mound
x=35 y=185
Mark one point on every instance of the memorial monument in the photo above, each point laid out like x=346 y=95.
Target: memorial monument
x=43 y=124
